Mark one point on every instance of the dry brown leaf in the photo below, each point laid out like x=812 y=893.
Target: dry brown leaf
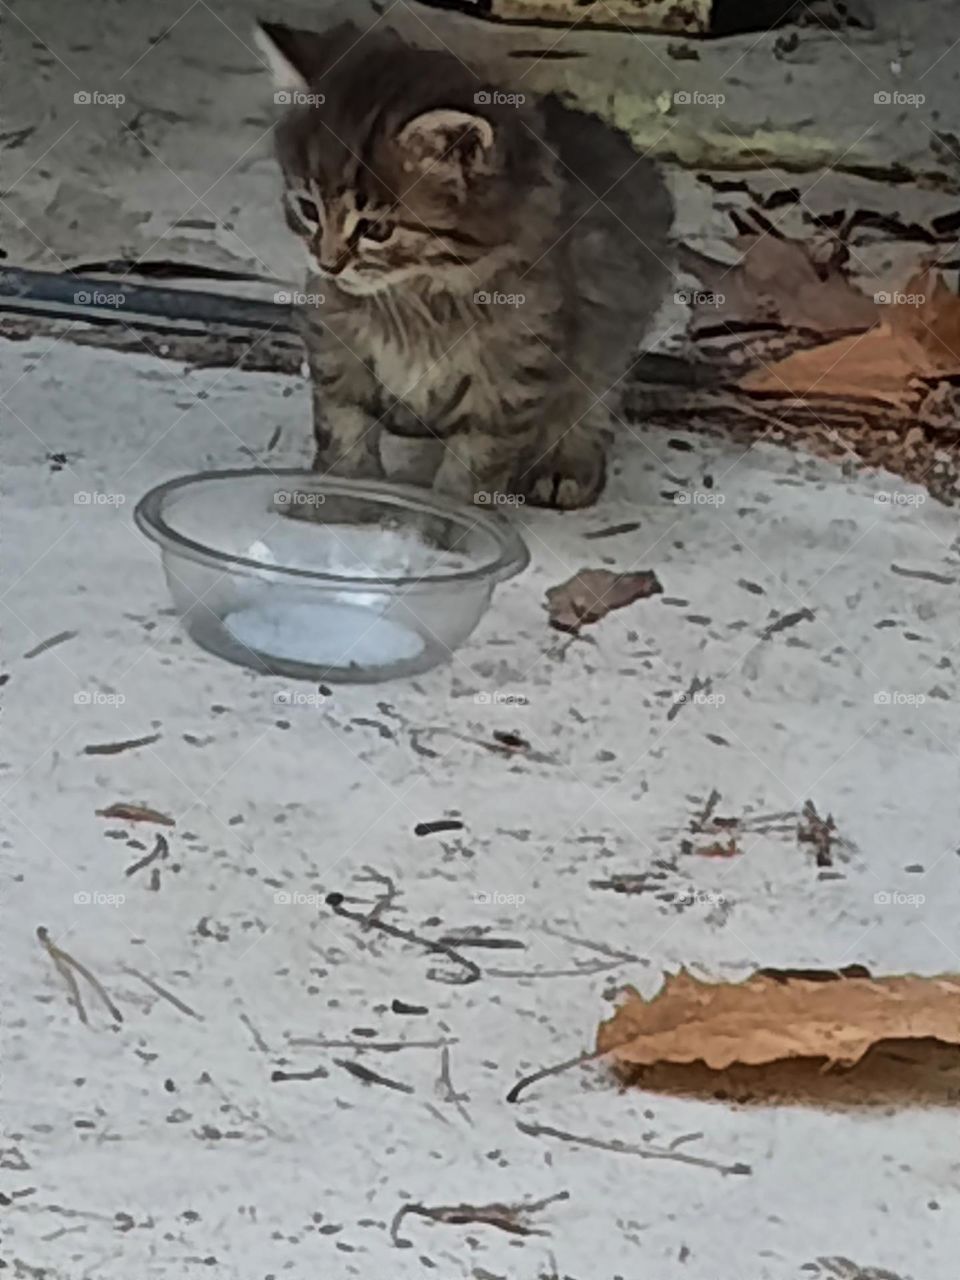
x=915 y=339
x=135 y=813
x=773 y=1017
x=934 y=322
x=590 y=595
x=779 y=281
x=718 y=849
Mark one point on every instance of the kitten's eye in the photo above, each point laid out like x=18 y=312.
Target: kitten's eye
x=308 y=209
x=378 y=231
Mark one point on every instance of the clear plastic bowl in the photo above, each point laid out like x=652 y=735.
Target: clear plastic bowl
x=316 y=578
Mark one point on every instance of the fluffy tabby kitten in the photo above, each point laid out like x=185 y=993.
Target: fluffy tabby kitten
x=487 y=267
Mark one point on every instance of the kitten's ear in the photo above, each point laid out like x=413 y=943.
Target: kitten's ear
x=452 y=145
x=292 y=56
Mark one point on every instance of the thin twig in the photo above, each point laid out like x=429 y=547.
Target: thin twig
x=699 y=822
x=401 y=1006
x=160 y=850
x=685 y=1137
x=629 y=1149
x=478 y=939
x=392 y=1046
x=66 y=973
x=578 y=971
x=589 y=1055
x=335 y=903
x=60 y=638
x=258 y=1039
x=164 y=993
x=385 y=900
x=60 y=956
x=372 y=1077
x=786 y=621
x=506 y=1217
x=591 y=946
x=318 y=1073
x=495 y=748
x=451 y=1094
x=819 y=832
x=114 y=748
x=437 y=826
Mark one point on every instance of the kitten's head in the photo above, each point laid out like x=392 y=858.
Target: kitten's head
x=392 y=167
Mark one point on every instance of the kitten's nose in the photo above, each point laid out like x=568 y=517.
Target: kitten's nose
x=331 y=255
x=332 y=267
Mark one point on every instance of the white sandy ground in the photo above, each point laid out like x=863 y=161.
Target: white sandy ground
x=161 y=1148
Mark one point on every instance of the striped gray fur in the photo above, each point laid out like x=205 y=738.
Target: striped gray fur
x=487 y=267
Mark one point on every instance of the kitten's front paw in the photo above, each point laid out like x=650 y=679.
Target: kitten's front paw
x=571 y=475
x=356 y=464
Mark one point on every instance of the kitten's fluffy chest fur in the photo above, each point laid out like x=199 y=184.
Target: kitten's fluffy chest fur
x=423 y=345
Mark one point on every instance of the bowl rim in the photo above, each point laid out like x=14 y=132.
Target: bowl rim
x=514 y=554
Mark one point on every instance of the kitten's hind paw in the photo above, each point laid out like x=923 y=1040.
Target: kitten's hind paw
x=571 y=475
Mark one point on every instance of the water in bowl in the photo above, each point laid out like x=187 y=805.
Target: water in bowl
x=332 y=634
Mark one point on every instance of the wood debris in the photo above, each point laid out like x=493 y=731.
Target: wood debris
x=511 y=1218
x=592 y=593
x=134 y=812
